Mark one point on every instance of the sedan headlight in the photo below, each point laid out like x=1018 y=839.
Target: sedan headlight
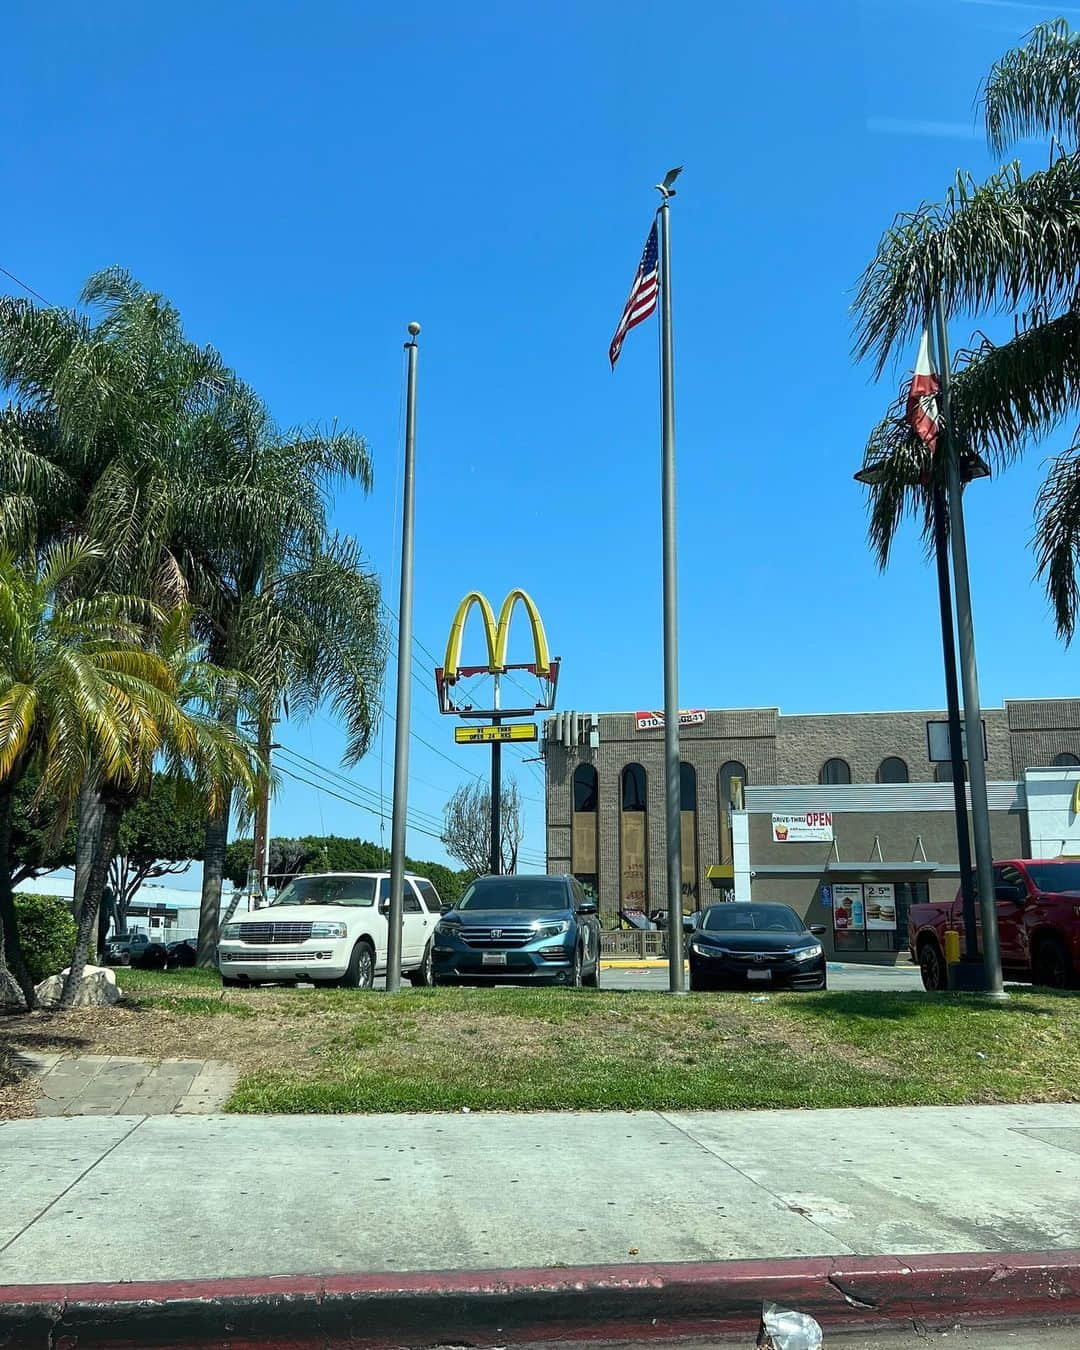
x=705 y=949
x=807 y=953
x=550 y=930
x=325 y=929
x=231 y=932
x=448 y=929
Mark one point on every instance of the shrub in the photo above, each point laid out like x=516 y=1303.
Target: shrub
x=47 y=933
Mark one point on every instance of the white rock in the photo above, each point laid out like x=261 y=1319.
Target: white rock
x=97 y=988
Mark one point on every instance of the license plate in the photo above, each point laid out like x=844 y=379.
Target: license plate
x=759 y=974
x=494 y=959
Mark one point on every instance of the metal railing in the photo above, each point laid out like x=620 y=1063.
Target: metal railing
x=636 y=944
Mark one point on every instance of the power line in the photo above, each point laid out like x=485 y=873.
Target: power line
x=353 y=784
x=349 y=801
x=29 y=289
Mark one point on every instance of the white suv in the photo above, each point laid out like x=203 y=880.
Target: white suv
x=331 y=928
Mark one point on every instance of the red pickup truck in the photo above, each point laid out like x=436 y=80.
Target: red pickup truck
x=1038 y=916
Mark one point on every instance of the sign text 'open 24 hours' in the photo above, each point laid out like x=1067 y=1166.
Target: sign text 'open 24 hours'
x=803 y=829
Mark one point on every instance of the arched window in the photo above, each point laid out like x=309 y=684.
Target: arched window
x=687 y=787
x=688 y=835
x=892 y=769
x=634 y=796
x=585 y=788
x=835 y=771
x=1066 y=761
x=729 y=771
x=633 y=839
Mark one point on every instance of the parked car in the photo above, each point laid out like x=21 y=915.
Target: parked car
x=151 y=956
x=331 y=928
x=122 y=949
x=743 y=945
x=533 y=929
x=1038 y=920
x=182 y=953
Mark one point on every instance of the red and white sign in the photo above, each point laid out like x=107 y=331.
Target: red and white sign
x=922 y=399
x=653 y=721
x=807 y=828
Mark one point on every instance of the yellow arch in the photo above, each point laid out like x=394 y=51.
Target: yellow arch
x=453 y=643
x=539 y=637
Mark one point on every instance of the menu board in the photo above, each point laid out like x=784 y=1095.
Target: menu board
x=847 y=908
x=880 y=900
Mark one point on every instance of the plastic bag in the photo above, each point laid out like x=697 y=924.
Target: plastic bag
x=786 y=1329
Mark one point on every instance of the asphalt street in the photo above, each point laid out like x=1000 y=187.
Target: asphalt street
x=842 y=977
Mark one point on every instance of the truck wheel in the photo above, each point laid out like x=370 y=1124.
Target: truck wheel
x=1050 y=964
x=423 y=977
x=935 y=975
x=361 y=972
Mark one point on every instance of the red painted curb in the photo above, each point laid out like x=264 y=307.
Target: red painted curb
x=579 y=1303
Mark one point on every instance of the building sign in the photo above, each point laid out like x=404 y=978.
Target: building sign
x=847 y=908
x=939 y=743
x=880 y=898
x=513 y=731
x=810 y=826
x=654 y=721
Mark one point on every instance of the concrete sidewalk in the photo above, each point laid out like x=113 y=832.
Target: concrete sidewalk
x=105 y=1199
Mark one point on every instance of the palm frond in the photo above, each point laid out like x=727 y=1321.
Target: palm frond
x=1034 y=90
x=1057 y=538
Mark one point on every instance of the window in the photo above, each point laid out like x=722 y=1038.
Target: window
x=688 y=834
x=409 y=903
x=943 y=771
x=687 y=788
x=892 y=769
x=633 y=788
x=1066 y=761
x=835 y=771
x=585 y=788
x=728 y=772
x=430 y=894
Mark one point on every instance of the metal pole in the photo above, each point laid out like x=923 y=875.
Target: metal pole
x=952 y=703
x=495 y=860
x=980 y=814
x=673 y=814
x=404 y=670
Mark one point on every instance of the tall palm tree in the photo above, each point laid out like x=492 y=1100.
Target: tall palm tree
x=76 y=684
x=181 y=735
x=1010 y=245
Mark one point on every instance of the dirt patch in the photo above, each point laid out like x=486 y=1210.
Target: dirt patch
x=19 y=1090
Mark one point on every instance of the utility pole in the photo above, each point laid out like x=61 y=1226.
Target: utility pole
x=980 y=813
x=495 y=861
x=404 y=684
x=672 y=774
x=261 y=840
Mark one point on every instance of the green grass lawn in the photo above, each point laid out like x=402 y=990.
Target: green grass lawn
x=533 y=1049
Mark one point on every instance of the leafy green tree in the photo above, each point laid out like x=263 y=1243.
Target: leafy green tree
x=1010 y=244
x=34 y=846
x=47 y=933
x=161 y=835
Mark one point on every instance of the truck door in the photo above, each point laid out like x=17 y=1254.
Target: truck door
x=1011 y=895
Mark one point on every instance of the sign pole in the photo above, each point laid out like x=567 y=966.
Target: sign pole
x=404 y=671
x=980 y=813
x=496 y=793
x=672 y=774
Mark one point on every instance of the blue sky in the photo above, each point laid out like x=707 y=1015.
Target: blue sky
x=303 y=179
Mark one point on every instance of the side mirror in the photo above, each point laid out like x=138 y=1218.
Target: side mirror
x=445 y=907
x=818 y=929
x=587 y=907
x=384 y=905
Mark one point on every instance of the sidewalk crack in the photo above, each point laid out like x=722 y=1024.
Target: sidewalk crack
x=67 y=1189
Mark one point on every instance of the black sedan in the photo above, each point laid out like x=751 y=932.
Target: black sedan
x=749 y=946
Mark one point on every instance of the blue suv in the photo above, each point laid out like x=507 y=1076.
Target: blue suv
x=538 y=929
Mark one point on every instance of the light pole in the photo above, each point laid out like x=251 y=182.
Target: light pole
x=404 y=670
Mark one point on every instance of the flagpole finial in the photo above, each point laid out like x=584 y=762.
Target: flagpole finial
x=665 y=189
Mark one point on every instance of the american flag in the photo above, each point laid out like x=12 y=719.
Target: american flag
x=642 y=299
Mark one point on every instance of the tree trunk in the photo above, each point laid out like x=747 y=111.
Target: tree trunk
x=111 y=816
x=11 y=957
x=91 y=811
x=217 y=836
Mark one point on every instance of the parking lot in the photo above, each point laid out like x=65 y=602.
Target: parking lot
x=894 y=979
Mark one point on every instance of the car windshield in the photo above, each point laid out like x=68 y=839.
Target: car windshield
x=329 y=891
x=736 y=918
x=1055 y=877
x=540 y=893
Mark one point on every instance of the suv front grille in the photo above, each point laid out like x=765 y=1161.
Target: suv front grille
x=500 y=936
x=275 y=932
x=274 y=956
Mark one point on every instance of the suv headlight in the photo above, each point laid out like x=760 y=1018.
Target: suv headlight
x=231 y=932
x=448 y=929
x=324 y=929
x=550 y=930
x=807 y=953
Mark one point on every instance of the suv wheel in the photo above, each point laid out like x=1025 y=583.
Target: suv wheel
x=1050 y=964
x=423 y=977
x=935 y=976
x=361 y=972
x=573 y=979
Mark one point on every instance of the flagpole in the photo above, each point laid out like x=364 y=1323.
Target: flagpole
x=672 y=775
x=404 y=690
x=980 y=813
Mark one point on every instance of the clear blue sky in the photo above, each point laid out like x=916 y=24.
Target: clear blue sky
x=303 y=179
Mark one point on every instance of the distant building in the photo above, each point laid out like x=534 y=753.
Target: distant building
x=845 y=816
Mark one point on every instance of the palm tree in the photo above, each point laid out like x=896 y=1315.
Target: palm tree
x=76 y=685
x=180 y=734
x=1011 y=245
